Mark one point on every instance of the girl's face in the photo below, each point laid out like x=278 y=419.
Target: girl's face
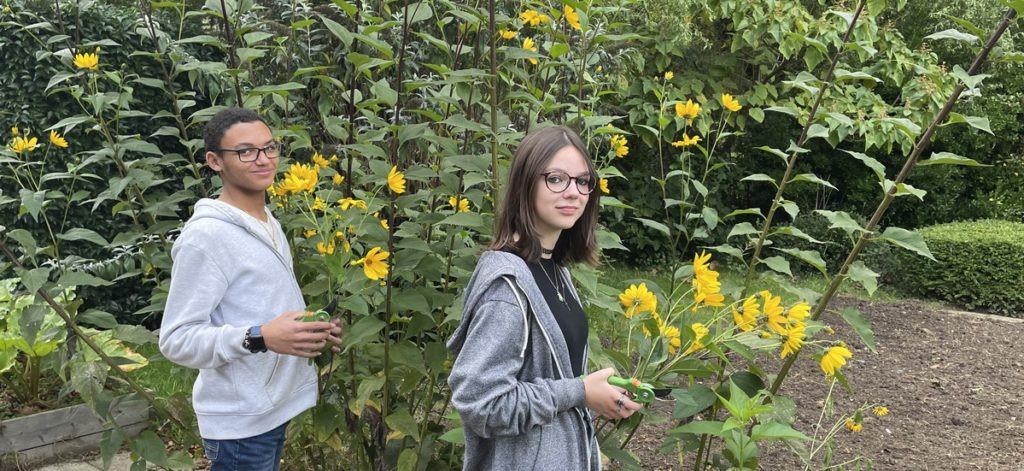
x=558 y=209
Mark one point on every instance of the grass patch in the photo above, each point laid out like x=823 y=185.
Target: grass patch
x=162 y=376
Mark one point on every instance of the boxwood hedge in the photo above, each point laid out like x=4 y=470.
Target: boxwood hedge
x=979 y=264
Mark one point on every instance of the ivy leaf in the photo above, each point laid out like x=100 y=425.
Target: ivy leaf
x=909 y=240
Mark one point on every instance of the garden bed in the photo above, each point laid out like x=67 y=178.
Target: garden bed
x=952 y=381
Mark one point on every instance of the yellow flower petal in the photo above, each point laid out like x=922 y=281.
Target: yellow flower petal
x=396 y=181
x=58 y=140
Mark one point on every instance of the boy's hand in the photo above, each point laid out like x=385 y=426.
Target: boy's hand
x=288 y=334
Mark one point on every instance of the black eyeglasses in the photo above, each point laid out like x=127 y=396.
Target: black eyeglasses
x=251 y=154
x=558 y=182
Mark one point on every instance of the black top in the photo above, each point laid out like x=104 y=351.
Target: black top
x=569 y=314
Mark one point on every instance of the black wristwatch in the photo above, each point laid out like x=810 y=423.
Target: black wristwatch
x=253 y=340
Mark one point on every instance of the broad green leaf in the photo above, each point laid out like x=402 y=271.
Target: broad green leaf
x=855 y=319
x=456 y=435
x=873 y=164
x=692 y=400
x=101 y=319
x=969 y=81
x=817 y=130
x=759 y=177
x=876 y=7
x=776 y=152
x=34 y=279
x=949 y=158
x=283 y=88
x=953 y=34
x=382 y=90
x=710 y=216
x=728 y=250
x=403 y=422
x=810 y=177
x=778 y=264
x=76 y=278
x=362 y=331
x=909 y=240
x=865 y=276
x=655 y=225
x=700 y=427
x=811 y=257
x=840 y=220
x=743 y=228
x=793 y=231
x=32 y=201
x=775 y=431
x=472 y=220
x=976 y=122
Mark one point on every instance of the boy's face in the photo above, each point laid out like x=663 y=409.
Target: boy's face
x=249 y=177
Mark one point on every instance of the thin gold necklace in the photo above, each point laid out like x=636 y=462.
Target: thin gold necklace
x=270 y=233
x=557 y=285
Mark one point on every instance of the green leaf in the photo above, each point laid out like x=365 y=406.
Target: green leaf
x=811 y=257
x=403 y=422
x=778 y=264
x=101 y=319
x=793 y=231
x=728 y=250
x=700 y=427
x=32 y=201
x=948 y=158
x=692 y=400
x=840 y=220
x=810 y=177
x=743 y=228
x=976 y=122
x=77 y=278
x=953 y=34
x=776 y=152
x=865 y=276
x=281 y=89
x=150 y=447
x=655 y=225
x=362 y=331
x=775 y=431
x=34 y=278
x=970 y=81
x=456 y=435
x=471 y=220
x=382 y=90
x=817 y=130
x=110 y=444
x=80 y=233
x=855 y=319
x=873 y=164
x=876 y=7
x=759 y=177
x=909 y=240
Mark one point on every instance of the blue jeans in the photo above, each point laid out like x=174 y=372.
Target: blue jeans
x=259 y=453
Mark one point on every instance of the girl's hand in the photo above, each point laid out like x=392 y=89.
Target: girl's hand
x=605 y=399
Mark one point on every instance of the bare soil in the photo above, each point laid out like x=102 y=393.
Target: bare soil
x=952 y=381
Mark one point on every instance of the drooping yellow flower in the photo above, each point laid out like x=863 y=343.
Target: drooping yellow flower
x=373 y=263
x=24 y=144
x=880 y=411
x=88 y=60
x=320 y=161
x=834 y=359
x=746 y=319
x=534 y=18
x=730 y=103
x=396 y=181
x=460 y=205
x=507 y=35
x=688 y=110
x=603 y=184
x=773 y=312
x=529 y=45
x=794 y=339
x=687 y=141
x=619 y=145
x=325 y=249
x=309 y=233
x=15 y=131
x=669 y=75
x=299 y=178
x=572 y=17
x=637 y=299
x=346 y=203
x=705 y=283
x=798 y=312
x=853 y=426
x=58 y=140
x=318 y=204
x=384 y=224
x=701 y=263
x=337 y=179
x=700 y=331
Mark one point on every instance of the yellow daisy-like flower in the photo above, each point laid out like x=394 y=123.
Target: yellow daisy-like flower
x=773 y=311
x=346 y=203
x=700 y=331
x=731 y=103
x=318 y=204
x=325 y=249
x=746 y=319
x=572 y=17
x=460 y=205
x=58 y=140
x=529 y=45
x=834 y=359
x=603 y=184
x=705 y=282
x=687 y=141
x=798 y=312
x=688 y=110
x=619 y=145
x=88 y=61
x=507 y=35
x=794 y=339
x=320 y=161
x=337 y=179
x=880 y=411
x=24 y=144
x=853 y=426
x=299 y=178
x=15 y=131
x=669 y=75
x=637 y=299
x=534 y=18
x=396 y=181
x=309 y=233
x=373 y=263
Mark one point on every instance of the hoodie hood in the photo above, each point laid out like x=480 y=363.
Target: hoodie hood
x=208 y=208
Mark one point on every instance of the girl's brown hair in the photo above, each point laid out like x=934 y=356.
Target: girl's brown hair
x=516 y=216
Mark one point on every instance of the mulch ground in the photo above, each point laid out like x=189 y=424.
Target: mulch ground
x=952 y=380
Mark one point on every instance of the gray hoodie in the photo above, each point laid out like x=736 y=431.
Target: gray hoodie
x=227 y=277
x=512 y=381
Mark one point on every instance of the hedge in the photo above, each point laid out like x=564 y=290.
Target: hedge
x=979 y=264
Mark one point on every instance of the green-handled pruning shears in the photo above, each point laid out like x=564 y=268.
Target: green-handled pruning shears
x=642 y=392
x=323 y=315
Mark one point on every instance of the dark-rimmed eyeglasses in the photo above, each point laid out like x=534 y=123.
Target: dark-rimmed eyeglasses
x=558 y=182
x=252 y=154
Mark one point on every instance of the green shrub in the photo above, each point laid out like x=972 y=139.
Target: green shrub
x=979 y=264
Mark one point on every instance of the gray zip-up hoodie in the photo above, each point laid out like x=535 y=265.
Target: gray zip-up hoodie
x=512 y=381
x=227 y=277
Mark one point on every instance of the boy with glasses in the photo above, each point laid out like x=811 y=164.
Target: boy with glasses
x=234 y=310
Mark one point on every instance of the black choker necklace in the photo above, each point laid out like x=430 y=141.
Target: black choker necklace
x=546 y=251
